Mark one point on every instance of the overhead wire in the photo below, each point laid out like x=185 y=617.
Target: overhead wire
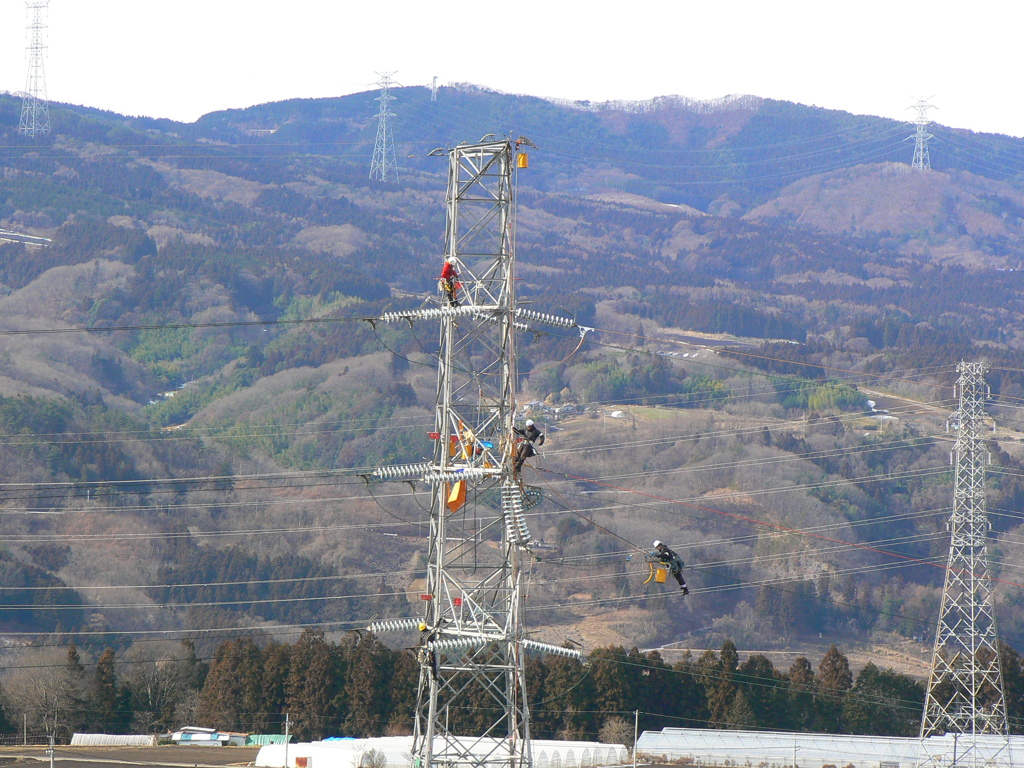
x=221 y=478
x=775 y=526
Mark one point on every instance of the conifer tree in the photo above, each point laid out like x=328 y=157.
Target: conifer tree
x=834 y=680
x=569 y=695
x=366 y=686
x=883 y=703
x=312 y=687
x=741 y=715
x=657 y=692
x=402 y=695
x=762 y=691
x=801 y=695
x=75 y=661
x=276 y=668
x=197 y=669
x=108 y=704
x=720 y=681
x=232 y=696
x=69 y=693
x=1013 y=686
x=616 y=683
x=690 y=699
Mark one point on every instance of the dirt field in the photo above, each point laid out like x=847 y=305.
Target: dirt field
x=92 y=757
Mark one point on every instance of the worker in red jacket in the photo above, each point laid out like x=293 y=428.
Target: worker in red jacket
x=449 y=277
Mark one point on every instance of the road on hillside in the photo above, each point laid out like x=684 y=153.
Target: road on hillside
x=18 y=237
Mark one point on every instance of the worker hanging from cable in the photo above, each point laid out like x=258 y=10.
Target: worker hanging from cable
x=673 y=561
x=449 y=281
x=525 y=448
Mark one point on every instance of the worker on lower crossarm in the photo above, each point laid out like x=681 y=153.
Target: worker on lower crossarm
x=673 y=561
x=449 y=278
x=531 y=436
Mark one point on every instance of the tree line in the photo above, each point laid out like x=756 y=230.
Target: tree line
x=360 y=687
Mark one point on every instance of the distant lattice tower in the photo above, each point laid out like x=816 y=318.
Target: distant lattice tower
x=384 y=166
x=922 y=160
x=35 y=114
x=433 y=89
x=965 y=687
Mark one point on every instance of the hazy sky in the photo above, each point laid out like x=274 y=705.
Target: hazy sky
x=183 y=58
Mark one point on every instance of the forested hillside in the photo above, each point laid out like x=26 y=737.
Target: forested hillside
x=192 y=399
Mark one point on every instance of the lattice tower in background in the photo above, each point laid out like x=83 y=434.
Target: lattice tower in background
x=384 y=166
x=35 y=114
x=965 y=686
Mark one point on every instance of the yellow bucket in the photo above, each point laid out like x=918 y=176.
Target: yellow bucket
x=523 y=160
x=660 y=575
x=457 y=497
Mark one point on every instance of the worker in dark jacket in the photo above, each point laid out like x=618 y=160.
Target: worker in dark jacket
x=673 y=561
x=525 y=449
x=448 y=281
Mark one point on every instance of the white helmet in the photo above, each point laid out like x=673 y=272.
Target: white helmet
x=529 y=422
x=657 y=543
x=450 y=260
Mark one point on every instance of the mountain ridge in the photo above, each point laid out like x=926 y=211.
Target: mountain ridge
x=182 y=239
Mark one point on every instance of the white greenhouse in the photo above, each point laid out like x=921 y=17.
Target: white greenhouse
x=774 y=749
x=397 y=753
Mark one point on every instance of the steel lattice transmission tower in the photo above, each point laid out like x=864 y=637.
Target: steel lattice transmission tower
x=35 y=114
x=965 y=687
x=384 y=166
x=471 y=708
x=922 y=160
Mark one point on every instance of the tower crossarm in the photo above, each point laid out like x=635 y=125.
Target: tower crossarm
x=545 y=317
x=430 y=473
x=554 y=650
x=393 y=625
x=489 y=313
x=433 y=313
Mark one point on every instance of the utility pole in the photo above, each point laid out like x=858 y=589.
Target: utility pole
x=472 y=641
x=287 y=736
x=384 y=166
x=636 y=729
x=922 y=160
x=965 y=686
x=35 y=114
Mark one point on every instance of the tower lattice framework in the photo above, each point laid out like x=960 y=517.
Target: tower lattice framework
x=965 y=687
x=35 y=114
x=922 y=158
x=471 y=706
x=384 y=165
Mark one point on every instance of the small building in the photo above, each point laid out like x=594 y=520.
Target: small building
x=262 y=739
x=195 y=736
